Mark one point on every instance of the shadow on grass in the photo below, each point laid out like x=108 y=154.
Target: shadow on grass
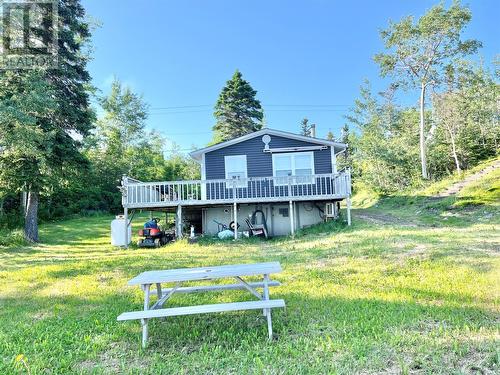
x=46 y=328
x=32 y=249
x=310 y=245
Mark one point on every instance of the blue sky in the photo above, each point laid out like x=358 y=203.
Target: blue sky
x=305 y=58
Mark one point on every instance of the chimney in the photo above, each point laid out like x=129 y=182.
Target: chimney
x=313 y=131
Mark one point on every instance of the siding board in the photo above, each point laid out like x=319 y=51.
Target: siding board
x=259 y=163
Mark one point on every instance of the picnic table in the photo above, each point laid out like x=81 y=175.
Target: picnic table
x=182 y=275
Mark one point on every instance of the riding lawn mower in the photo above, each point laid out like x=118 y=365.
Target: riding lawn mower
x=153 y=235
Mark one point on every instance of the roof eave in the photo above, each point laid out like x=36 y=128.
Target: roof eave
x=197 y=154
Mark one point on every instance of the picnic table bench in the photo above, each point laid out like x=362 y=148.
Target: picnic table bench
x=179 y=276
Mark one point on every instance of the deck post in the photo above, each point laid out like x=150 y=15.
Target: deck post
x=348 y=210
x=125 y=220
x=292 y=221
x=235 y=215
x=178 y=222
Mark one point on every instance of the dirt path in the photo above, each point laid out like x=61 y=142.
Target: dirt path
x=383 y=219
x=458 y=186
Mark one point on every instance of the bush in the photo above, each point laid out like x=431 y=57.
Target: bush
x=12 y=238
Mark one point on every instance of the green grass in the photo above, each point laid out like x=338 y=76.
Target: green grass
x=435 y=187
x=398 y=291
x=478 y=201
x=485 y=191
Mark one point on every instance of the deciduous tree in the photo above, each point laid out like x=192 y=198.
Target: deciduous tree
x=418 y=51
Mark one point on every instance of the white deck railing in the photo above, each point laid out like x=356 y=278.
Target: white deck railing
x=137 y=194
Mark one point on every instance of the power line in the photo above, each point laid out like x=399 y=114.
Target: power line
x=306 y=110
x=177 y=149
x=264 y=105
x=268 y=110
x=183 y=106
x=189 y=133
x=176 y=112
x=306 y=105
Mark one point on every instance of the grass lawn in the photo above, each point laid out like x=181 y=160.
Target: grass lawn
x=392 y=294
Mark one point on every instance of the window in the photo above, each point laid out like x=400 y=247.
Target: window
x=300 y=164
x=236 y=168
x=283 y=212
x=282 y=165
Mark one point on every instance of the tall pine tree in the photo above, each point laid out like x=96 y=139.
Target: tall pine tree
x=305 y=127
x=237 y=110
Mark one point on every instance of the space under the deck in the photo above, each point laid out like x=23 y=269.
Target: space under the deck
x=211 y=219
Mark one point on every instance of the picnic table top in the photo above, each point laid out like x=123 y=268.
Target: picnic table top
x=205 y=273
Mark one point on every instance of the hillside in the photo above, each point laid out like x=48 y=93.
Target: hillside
x=463 y=199
x=411 y=287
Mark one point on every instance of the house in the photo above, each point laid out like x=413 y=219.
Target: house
x=284 y=180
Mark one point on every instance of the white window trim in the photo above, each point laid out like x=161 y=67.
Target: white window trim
x=292 y=154
x=334 y=159
x=226 y=160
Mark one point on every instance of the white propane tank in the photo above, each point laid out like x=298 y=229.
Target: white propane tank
x=118 y=231
x=192 y=232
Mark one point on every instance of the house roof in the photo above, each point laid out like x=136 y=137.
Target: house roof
x=197 y=154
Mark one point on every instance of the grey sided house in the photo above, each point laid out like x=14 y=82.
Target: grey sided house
x=282 y=180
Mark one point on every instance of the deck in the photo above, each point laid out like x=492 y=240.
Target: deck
x=138 y=194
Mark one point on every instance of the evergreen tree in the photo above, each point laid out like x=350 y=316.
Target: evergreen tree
x=330 y=136
x=43 y=113
x=237 y=110
x=344 y=160
x=305 y=128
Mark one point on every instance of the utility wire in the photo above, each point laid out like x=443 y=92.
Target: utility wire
x=268 y=110
x=264 y=105
x=207 y=132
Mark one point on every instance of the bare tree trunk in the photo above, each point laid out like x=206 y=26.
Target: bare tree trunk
x=454 y=151
x=24 y=198
x=423 y=156
x=31 y=217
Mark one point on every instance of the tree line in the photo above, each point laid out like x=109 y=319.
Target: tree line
x=57 y=156
x=455 y=123
x=60 y=155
